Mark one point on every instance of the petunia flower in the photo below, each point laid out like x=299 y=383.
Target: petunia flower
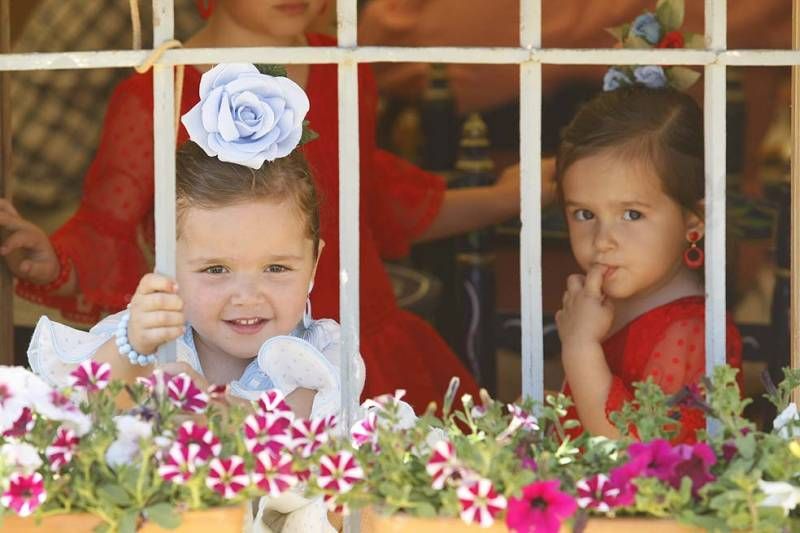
x=228 y=477
x=91 y=376
x=779 y=494
x=365 y=431
x=60 y=451
x=184 y=394
x=22 y=425
x=541 y=509
x=442 y=464
x=266 y=432
x=180 y=463
x=695 y=463
x=156 y=383
x=519 y=420
x=19 y=389
x=58 y=407
x=339 y=472
x=307 y=435
x=273 y=473
x=131 y=430
x=656 y=459
x=210 y=445
x=273 y=401
x=597 y=492
x=20 y=456
x=480 y=502
x=24 y=493
x=217 y=392
x=787 y=424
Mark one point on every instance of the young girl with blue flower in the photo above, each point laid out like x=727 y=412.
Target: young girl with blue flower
x=630 y=174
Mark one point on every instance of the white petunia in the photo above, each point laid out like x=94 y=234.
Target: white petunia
x=780 y=494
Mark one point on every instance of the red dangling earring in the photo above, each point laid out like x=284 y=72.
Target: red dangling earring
x=693 y=256
x=205 y=7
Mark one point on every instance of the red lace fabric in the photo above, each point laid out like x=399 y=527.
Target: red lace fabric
x=108 y=238
x=668 y=344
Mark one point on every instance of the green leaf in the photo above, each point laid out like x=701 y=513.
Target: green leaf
x=102 y=528
x=114 y=494
x=681 y=78
x=164 y=515
x=634 y=41
x=619 y=32
x=127 y=524
x=670 y=14
x=272 y=70
x=696 y=41
x=308 y=134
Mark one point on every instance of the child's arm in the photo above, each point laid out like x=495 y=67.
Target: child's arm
x=583 y=321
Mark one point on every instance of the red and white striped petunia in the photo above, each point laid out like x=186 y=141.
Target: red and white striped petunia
x=273 y=473
x=339 y=472
x=266 y=432
x=384 y=400
x=480 y=503
x=189 y=433
x=309 y=434
x=272 y=401
x=183 y=393
x=24 y=493
x=228 y=477
x=22 y=425
x=442 y=464
x=217 y=392
x=60 y=451
x=365 y=431
x=156 y=383
x=91 y=376
x=180 y=463
x=334 y=506
x=597 y=492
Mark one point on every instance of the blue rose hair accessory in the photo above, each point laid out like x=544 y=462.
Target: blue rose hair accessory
x=248 y=114
x=654 y=30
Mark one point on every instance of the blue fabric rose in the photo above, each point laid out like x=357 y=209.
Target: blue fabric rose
x=651 y=76
x=614 y=79
x=246 y=117
x=647 y=27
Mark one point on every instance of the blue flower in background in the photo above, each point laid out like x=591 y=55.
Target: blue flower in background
x=647 y=27
x=614 y=79
x=651 y=76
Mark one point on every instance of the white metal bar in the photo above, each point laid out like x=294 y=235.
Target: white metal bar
x=164 y=154
x=369 y=54
x=715 y=151
x=530 y=143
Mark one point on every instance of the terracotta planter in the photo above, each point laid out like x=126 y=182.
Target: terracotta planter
x=221 y=520
x=373 y=522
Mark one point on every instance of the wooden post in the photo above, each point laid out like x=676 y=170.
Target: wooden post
x=6 y=281
x=794 y=279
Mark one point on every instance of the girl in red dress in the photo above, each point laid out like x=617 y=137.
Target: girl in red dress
x=93 y=263
x=630 y=173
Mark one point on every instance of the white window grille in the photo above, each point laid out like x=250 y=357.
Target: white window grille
x=530 y=57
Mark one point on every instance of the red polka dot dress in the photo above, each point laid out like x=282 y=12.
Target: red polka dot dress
x=110 y=237
x=666 y=343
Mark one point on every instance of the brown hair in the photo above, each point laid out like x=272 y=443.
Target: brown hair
x=205 y=181
x=662 y=128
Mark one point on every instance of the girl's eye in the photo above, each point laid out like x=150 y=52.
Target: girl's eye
x=276 y=269
x=631 y=214
x=582 y=214
x=216 y=269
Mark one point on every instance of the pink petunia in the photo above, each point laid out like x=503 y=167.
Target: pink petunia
x=522 y=418
x=228 y=477
x=22 y=425
x=656 y=459
x=273 y=401
x=541 y=509
x=24 y=493
x=365 y=431
x=480 y=503
x=217 y=392
x=61 y=450
x=598 y=492
x=307 y=435
x=339 y=472
x=91 y=376
x=156 y=383
x=273 y=473
x=180 y=463
x=695 y=462
x=210 y=445
x=266 y=432
x=384 y=400
x=442 y=464
x=183 y=393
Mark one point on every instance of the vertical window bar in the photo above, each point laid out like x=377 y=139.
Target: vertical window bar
x=715 y=140
x=794 y=280
x=6 y=279
x=164 y=154
x=530 y=117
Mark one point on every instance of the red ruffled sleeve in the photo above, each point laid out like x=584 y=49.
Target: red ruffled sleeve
x=402 y=199
x=104 y=240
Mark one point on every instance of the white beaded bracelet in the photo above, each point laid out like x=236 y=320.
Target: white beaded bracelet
x=125 y=348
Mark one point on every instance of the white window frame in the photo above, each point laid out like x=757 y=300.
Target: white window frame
x=530 y=57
